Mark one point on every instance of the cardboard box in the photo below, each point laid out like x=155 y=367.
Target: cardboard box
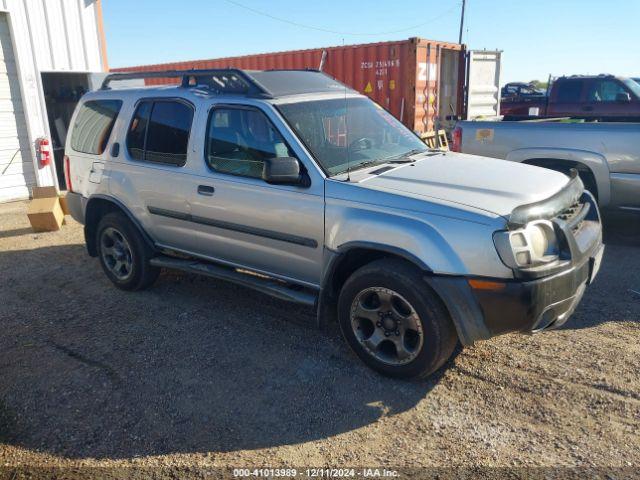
x=63 y=203
x=49 y=192
x=44 y=192
x=45 y=214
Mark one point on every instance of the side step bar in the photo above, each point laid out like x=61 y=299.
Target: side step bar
x=261 y=283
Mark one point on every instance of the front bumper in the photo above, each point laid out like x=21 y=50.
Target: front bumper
x=533 y=300
x=536 y=305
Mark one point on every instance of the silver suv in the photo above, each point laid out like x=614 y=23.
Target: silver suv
x=290 y=183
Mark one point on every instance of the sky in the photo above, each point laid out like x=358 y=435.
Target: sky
x=538 y=38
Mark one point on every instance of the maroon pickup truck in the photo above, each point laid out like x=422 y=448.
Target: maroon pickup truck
x=601 y=97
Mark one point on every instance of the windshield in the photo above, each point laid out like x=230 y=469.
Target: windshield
x=633 y=86
x=350 y=133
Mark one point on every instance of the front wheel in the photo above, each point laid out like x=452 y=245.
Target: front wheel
x=393 y=320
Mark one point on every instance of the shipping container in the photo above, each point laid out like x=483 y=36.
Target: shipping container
x=421 y=82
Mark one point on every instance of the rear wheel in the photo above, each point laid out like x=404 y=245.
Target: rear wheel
x=394 y=322
x=123 y=253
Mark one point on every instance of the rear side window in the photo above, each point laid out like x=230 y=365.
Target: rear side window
x=159 y=132
x=569 y=91
x=93 y=125
x=138 y=131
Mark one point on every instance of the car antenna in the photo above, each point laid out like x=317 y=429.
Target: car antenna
x=346 y=129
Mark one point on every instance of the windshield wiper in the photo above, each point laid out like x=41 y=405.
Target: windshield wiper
x=381 y=161
x=366 y=163
x=407 y=160
x=403 y=157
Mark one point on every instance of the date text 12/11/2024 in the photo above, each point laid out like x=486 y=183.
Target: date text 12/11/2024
x=314 y=473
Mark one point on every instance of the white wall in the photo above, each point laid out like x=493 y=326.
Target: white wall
x=16 y=165
x=50 y=35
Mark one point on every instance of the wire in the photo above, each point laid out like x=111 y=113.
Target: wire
x=326 y=30
x=10 y=162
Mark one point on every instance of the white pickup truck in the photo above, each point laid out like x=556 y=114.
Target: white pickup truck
x=606 y=155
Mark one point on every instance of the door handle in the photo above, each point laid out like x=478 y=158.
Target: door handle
x=115 y=149
x=206 y=190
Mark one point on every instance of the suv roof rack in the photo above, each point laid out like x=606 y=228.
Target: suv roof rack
x=227 y=80
x=254 y=83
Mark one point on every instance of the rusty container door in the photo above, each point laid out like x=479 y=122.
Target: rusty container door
x=437 y=83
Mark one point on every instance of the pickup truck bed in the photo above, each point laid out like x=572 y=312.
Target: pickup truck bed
x=607 y=155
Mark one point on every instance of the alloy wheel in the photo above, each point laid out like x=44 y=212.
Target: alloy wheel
x=116 y=253
x=386 y=325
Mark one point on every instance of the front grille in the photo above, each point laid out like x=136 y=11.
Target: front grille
x=574 y=215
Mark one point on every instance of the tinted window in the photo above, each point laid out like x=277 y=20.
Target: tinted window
x=168 y=133
x=93 y=125
x=569 y=91
x=605 y=91
x=138 y=131
x=159 y=132
x=239 y=140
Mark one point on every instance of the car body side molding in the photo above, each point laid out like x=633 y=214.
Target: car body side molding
x=283 y=237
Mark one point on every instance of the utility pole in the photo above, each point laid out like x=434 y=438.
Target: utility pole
x=461 y=21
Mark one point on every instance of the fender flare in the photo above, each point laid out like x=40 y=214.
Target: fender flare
x=454 y=292
x=327 y=300
x=595 y=161
x=88 y=230
x=334 y=257
x=397 y=251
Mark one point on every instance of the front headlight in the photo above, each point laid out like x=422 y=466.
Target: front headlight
x=535 y=244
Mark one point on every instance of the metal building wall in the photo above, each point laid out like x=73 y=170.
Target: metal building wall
x=16 y=166
x=52 y=36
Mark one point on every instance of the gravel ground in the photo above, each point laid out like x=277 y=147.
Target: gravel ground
x=195 y=374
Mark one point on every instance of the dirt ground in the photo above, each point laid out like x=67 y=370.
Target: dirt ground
x=196 y=374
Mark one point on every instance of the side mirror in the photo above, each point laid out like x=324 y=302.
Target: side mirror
x=281 y=170
x=623 y=97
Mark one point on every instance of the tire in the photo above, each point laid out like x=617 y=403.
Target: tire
x=430 y=338
x=118 y=240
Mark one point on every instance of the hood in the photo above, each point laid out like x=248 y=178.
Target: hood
x=489 y=184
